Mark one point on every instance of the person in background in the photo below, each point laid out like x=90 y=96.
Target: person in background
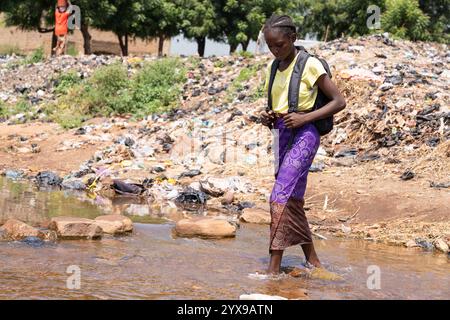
x=62 y=13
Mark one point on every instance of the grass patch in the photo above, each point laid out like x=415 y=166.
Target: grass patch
x=22 y=106
x=66 y=116
x=245 y=54
x=110 y=91
x=3 y=110
x=238 y=83
x=258 y=93
x=157 y=86
x=36 y=56
x=66 y=81
x=72 y=50
x=193 y=62
x=219 y=64
x=8 y=110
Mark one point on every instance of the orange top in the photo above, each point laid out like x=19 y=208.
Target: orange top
x=61 y=19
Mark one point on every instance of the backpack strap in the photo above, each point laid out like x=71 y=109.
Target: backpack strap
x=294 y=84
x=273 y=73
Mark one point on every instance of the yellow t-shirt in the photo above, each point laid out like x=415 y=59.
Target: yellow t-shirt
x=308 y=87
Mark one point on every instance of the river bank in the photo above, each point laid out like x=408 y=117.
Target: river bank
x=381 y=175
x=150 y=263
x=363 y=201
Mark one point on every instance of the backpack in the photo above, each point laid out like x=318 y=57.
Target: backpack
x=324 y=126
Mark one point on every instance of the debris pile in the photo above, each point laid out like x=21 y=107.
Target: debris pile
x=212 y=151
x=397 y=95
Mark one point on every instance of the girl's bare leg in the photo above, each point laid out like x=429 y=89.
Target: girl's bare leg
x=311 y=255
x=275 y=261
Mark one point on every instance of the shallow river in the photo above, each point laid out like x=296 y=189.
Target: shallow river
x=152 y=264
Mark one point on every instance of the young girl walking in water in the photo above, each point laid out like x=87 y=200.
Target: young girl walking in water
x=298 y=139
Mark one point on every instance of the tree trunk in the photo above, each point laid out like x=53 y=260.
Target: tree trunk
x=54 y=41
x=326 y=33
x=161 y=45
x=201 y=44
x=123 y=42
x=86 y=38
x=245 y=45
x=233 y=47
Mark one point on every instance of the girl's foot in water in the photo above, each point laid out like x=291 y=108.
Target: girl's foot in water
x=321 y=273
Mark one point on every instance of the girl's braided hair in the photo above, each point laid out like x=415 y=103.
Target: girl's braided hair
x=284 y=23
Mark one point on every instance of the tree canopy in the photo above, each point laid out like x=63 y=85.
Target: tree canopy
x=237 y=22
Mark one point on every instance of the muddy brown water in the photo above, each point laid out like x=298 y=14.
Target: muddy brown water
x=153 y=264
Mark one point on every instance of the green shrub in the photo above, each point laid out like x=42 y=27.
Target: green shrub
x=193 y=62
x=69 y=120
x=72 y=50
x=8 y=110
x=3 y=110
x=22 y=106
x=157 y=86
x=105 y=92
x=238 y=83
x=246 y=54
x=219 y=64
x=100 y=95
x=65 y=81
x=36 y=56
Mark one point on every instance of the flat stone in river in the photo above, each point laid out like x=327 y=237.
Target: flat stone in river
x=69 y=228
x=114 y=223
x=205 y=228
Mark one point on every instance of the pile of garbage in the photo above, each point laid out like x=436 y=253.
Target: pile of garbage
x=397 y=94
x=212 y=152
x=397 y=107
x=36 y=82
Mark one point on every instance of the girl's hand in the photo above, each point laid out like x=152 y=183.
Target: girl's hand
x=295 y=120
x=267 y=119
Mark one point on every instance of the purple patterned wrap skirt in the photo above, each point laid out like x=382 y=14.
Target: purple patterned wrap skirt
x=294 y=157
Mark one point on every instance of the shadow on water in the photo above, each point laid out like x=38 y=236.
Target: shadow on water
x=152 y=264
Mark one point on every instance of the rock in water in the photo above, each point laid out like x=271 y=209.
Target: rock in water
x=17 y=230
x=441 y=245
x=75 y=228
x=14 y=174
x=205 y=228
x=33 y=241
x=411 y=244
x=228 y=198
x=114 y=224
x=48 y=178
x=258 y=296
x=298 y=272
x=256 y=215
x=73 y=184
x=324 y=274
